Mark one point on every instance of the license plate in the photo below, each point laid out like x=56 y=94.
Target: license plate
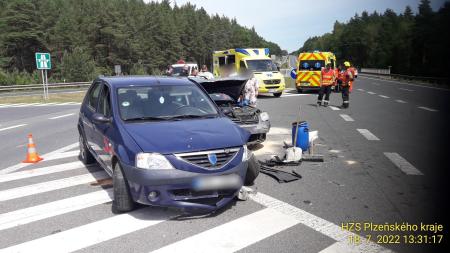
x=272 y=90
x=232 y=181
x=304 y=83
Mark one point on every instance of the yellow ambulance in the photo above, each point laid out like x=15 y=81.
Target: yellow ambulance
x=232 y=62
x=309 y=69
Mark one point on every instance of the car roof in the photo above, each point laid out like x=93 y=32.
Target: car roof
x=127 y=81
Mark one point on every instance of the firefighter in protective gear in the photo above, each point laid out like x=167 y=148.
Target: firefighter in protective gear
x=347 y=77
x=326 y=81
x=354 y=72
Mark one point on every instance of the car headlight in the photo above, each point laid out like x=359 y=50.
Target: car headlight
x=264 y=116
x=152 y=161
x=245 y=154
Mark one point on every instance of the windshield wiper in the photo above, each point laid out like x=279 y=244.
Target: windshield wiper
x=146 y=118
x=193 y=116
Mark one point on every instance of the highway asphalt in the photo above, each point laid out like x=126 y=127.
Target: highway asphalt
x=386 y=161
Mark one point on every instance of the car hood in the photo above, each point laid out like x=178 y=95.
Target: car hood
x=231 y=86
x=191 y=135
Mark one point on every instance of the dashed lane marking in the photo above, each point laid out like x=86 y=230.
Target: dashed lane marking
x=33 y=189
x=371 y=92
x=51 y=209
x=12 y=127
x=346 y=117
x=240 y=233
x=62 y=116
x=427 y=109
x=409 y=84
x=402 y=164
x=400 y=101
x=405 y=89
x=361 y=89
x=383 y=96
x=369 y=136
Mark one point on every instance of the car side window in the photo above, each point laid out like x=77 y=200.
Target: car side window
x=93 y=95
x=104 y=105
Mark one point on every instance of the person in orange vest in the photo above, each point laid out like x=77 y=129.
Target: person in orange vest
x=327 y=80
x=354 y=72
x=347 y=77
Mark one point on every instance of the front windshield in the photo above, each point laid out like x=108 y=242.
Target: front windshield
x=261 y=65
x=164 y=102
x=176 y=71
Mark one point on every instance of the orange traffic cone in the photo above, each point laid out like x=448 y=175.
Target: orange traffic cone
x=32 y=155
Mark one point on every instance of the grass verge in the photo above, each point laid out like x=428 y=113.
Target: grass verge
x=53 y=98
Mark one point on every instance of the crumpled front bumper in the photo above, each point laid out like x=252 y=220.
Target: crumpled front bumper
x=175 y=188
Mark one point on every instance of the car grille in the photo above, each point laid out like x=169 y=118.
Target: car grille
x=272 y=81
x=201 y=158
x=246 y=119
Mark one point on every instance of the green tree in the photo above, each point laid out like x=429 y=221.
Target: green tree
x=77 y=66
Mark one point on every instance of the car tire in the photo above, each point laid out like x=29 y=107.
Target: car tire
x=299 y=91
x=277 y=95
x=252 y=170
x=86 y=156
x=123 y=202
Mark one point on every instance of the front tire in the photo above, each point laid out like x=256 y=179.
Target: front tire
x=299 y=91
x=277 y=95
x=85 y=155
x=252 y=171
x=123 y=202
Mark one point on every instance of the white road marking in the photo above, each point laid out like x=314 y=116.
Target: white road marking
x=318 y=224
x=400 y=101
x=33 y=189
x=376 y=83
x=402 y=164
x=236 y=234
x=409 y=84
x=427 y=109
x=334 y=108
x=62 y=116
x=47 y=210
x=361 y=89
x=405 y=89
x=63 y=155
x=340 y=247
x=41 y=171
x=11 y=127
x=383 y=96
x=346 y=117
x=295 y=95
x=45 y=156
x=371 y=92
x=94 y=233
x=369 y=136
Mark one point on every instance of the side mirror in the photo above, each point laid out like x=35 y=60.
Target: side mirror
x=100 y=118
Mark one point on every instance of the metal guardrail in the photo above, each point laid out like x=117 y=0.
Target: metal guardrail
x=39 y=86
x=376 y=71
x=424 y=79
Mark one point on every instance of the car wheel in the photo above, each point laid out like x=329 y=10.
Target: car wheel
x=123 y=202
x=277 y=95
x=85 y=155
x=299 y=91
x=252 y=171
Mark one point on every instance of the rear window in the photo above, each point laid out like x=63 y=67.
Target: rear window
x=163 y=101
x=314 y=65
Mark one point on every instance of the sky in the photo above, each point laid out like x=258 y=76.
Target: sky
x=289 y=23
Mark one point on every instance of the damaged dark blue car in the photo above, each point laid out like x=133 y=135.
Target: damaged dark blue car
x=164 y=142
